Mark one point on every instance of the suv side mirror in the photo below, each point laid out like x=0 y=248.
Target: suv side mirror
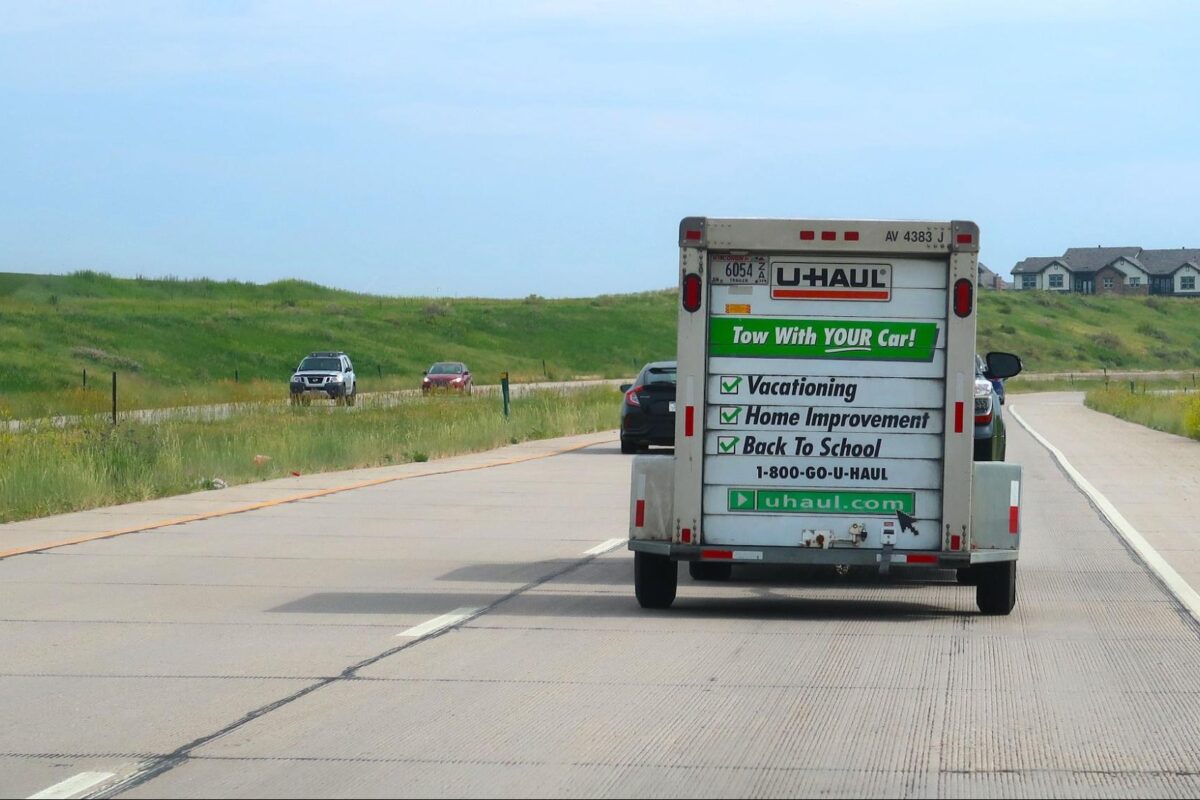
x=1003 y=365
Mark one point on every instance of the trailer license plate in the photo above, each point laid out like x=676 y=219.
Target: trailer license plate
x=671 y=406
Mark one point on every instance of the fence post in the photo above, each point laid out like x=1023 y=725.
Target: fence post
x=379 y=370
x=114 y=403
x=1132 y=390
x=85 y=377
x=544 y=372
x=504 y=391
x=237 y=378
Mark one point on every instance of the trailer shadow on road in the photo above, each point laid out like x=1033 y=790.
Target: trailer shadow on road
x=765 y=604
x=619 y=572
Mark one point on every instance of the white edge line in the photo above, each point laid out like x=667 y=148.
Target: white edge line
x=1174 y=582
x=438 y=623
x=77 y=784
x=604 y=547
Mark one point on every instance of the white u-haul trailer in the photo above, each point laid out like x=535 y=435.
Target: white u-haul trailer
x=825 y=399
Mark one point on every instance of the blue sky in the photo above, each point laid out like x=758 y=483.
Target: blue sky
x=502 y=149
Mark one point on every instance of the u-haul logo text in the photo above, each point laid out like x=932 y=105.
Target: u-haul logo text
x=831 y=282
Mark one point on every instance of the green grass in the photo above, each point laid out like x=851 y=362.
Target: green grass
x=179 y=342
x=52 y=470
x=1060 y=333
x=181 y=334
x=1173 y=413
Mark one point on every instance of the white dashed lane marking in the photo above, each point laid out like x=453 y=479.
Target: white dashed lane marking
x=73 y=786
x=604 y=547
x=438 y=623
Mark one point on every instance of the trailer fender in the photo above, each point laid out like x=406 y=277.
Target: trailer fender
x=652 y=498
x=996 y=507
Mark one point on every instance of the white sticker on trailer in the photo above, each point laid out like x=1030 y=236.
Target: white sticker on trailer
x=883 y=473
x=865 y=446
x=830 y=419
x=804 y=387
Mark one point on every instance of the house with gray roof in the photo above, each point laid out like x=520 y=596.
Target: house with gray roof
x=1112 y=270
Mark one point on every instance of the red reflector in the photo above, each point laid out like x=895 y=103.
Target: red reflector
x=921 y=558
x=828 y=236
x=692 y=236
x=1014 y=519
x=964 y=297
x=851 y=236
x=958 y=417
x=955 y=542
x=691 y=292
x=686 y=535
x=716 y=553
x=964 y=238
x=689 y=420
x=640 y=515
x=808 y=236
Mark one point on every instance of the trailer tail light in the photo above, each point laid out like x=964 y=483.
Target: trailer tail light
x=964 y=297
x=964 y=238
x=808 y=236
x=716 y=554
x=632 y=398
x=691 y=292
x=850 y=236
x=955 y=541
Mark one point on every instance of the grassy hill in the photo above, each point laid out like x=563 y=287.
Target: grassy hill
x=180 y=333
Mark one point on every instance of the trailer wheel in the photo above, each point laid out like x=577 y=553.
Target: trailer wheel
x=710 y=570
x=996 y=589
x=655 y=579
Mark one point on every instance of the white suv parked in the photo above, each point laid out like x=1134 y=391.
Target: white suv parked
x=325 y=374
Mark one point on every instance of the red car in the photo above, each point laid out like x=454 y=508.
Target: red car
x=447 y=376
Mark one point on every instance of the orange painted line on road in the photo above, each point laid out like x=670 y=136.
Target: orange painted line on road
x=92 y=537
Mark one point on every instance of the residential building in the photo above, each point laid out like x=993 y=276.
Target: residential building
x=1113 y=270
x=990 y=280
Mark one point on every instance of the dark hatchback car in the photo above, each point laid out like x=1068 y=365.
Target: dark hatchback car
x=648 y=412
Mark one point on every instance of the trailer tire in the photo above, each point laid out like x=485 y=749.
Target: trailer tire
x=655 y=579
x=967 y=576
x=710 y=570
x=996 y=590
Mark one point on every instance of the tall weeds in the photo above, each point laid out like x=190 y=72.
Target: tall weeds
x=50 y=470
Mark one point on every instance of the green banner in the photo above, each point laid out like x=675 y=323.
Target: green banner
x=865 y=340
x=816 y=501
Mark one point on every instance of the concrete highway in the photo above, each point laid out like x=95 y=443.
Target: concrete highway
x=467 y=627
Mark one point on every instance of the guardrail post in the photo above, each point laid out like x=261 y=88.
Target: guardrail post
x=114 y=403
x=504 y=391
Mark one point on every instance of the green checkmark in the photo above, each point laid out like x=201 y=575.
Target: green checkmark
x=730 y=384
x=727 y=444
x=730 y=414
